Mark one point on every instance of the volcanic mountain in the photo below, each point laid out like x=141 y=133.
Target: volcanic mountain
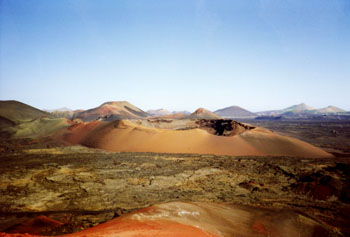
x=300 y=108
x=203 y=132
x=235 y=112
x=294 y=109
x=15 y=112
x=203 y=114
x=241 y=140
x=20 y=120
x=114 y=110
x=330 y=110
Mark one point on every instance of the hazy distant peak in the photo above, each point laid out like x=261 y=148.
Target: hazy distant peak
x=158 y=112
x=234 y=112
x=299 y=108
x=331 y=109
x=181 y=112
x=63 y=109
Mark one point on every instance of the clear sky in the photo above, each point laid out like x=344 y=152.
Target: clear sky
x=179 y=54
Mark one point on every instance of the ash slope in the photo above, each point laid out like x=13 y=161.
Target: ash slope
x=128 y=136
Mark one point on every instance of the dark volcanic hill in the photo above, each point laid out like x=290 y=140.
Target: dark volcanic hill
x=235 y=112
x=114 y=110
x=14 y=111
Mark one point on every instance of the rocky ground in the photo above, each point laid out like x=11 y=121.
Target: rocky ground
x=79 y=187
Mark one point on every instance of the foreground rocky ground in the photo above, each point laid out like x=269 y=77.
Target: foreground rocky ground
x=79 y=187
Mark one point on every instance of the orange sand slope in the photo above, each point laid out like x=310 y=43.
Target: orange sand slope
x=205 y=219
x=126 y=136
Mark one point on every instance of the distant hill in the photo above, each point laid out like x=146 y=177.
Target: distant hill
x=330 y=110
x=114 y=110
x=173 y=116
x=302 y=110
x=181 y=112
x=16 y=112
x=63 y=109
x=269 y=113
x=62 y=113
x=235 y=112
x=167 y=113
x=202 y=113
x=294 y=109
x=158 y=112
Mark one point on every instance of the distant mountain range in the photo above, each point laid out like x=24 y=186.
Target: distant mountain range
x=200 y=113
x=331 y=109
x=158 y=112
x=63 y=109
x=236 y=112
x=163 y=112
x=12 y=112
x=63 y=112
x=229 y=112
x=302 y=109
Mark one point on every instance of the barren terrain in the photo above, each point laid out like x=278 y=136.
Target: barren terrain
x=61 y=176
x=200 y=136
x=83 y=187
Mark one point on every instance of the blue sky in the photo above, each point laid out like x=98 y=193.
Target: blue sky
x=180 y=54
